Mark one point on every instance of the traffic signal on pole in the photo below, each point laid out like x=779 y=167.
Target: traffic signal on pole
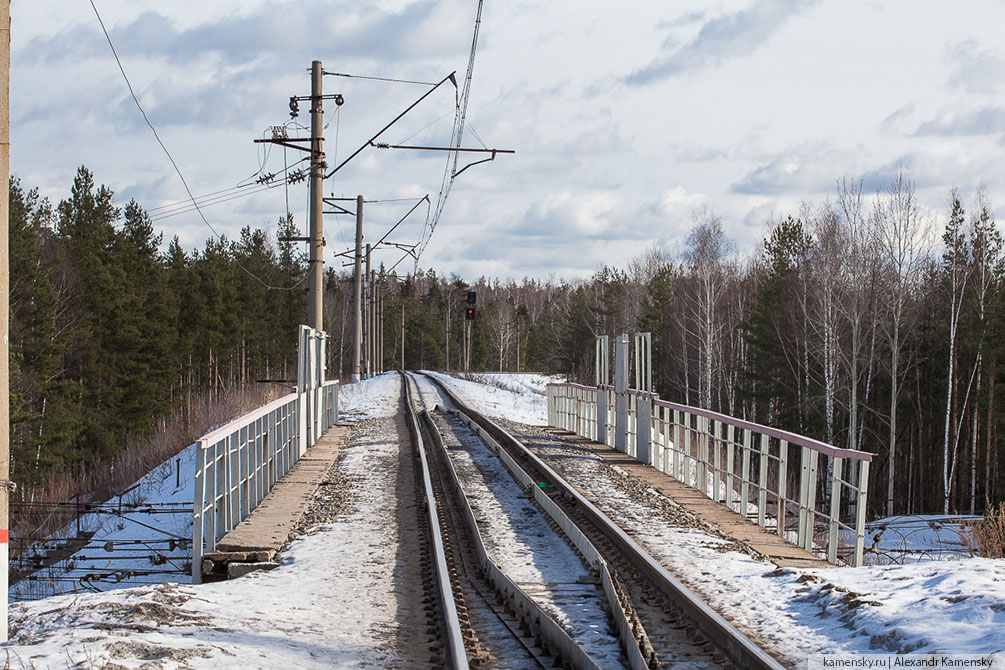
x=472 y=297
x=469 y=314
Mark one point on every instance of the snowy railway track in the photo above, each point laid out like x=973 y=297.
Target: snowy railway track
x=500 y=624
x=665 y=624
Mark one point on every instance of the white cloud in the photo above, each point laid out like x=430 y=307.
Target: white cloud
x=975 y=70
x=724 y=37
x=988 y=120
x=571 y=215
x=790 y=95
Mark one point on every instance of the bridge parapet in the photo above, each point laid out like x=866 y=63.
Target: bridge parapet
x=807 y=491
x=240 y=462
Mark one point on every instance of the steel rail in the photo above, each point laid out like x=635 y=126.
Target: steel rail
x=455 y=638
x=634 y=640
x=538 y=621
x=733 y=643
x=471 y=578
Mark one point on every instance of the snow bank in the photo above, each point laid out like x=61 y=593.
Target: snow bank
x=518 y=401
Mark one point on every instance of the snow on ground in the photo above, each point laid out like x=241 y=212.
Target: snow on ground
x=331 y=603
x=151 y=530
x=955 y=606
x=932 y=607
x=521 y=382
x=370 y=398
x=522 y=407
x=141 y=537
x=918 y=537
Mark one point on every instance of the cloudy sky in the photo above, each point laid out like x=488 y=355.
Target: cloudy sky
x=626 y=117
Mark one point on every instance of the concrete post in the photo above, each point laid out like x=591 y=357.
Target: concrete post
x=621 y=393
x=367 y=318
x=357 y=292
x=4 y=300
x=643 y=428
x=316 y=312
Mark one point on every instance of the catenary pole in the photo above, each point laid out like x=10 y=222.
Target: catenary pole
x=4 y=299
x=357 y=292
x=368 y=319
x=315 y=311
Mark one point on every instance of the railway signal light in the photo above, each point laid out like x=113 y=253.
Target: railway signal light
x=472 y=297
x=469 y=314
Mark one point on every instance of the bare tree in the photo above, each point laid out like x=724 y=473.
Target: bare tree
x=986 y=248
x=856 y=307
x=827 y=260
x=499 y=322
x=903 y=237
x=706 y=249
x=956 y=258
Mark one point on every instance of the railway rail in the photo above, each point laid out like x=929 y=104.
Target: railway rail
x=491 y=620
x=659 y=621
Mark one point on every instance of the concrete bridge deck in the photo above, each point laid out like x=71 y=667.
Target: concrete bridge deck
x=254 y=543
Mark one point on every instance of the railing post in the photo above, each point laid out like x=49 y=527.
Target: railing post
x=643 y=428
x=863 y=488
x=804 y=479
x=762 y=482
x=713 y=438
x=688 y=457
x=832 y=522
x=745 y=479
x=621 y=394
x=198 y=512
x=811 y=501
x=601 y=416
x=677 y=441
x=730 y=441
x=549 y=394
x=211 y=522
x=702 y=445
x=783 y=484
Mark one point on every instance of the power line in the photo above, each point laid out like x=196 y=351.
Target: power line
x=170 y=157
x=397 y=81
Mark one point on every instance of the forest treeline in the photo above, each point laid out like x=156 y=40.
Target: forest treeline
x=861 y=322
x=110 y=333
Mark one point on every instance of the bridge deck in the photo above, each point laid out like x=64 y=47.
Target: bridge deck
x=777 y=549
x=270 y=526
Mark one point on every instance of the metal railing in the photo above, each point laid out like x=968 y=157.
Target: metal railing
x=806 y=491
x=239 y=463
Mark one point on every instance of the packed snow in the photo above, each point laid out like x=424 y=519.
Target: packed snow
x=140 y=537
x=330 y=601
x=503 y=397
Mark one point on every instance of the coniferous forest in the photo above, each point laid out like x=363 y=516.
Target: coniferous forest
x=863 y=322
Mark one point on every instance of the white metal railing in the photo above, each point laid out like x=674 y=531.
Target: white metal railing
x=240 y=462
x=805 y=490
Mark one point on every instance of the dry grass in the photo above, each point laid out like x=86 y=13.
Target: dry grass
x=986 y=538
x=33 y=513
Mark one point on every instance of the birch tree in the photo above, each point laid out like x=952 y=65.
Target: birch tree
x=706 y=248
x=956 y=263
x=902 y=236
x=986 y=249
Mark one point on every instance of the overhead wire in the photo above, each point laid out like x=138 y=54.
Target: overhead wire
x=214 y=201
x=222 y=196
x=457 y=134
x=390 y=79
x=164 y=148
